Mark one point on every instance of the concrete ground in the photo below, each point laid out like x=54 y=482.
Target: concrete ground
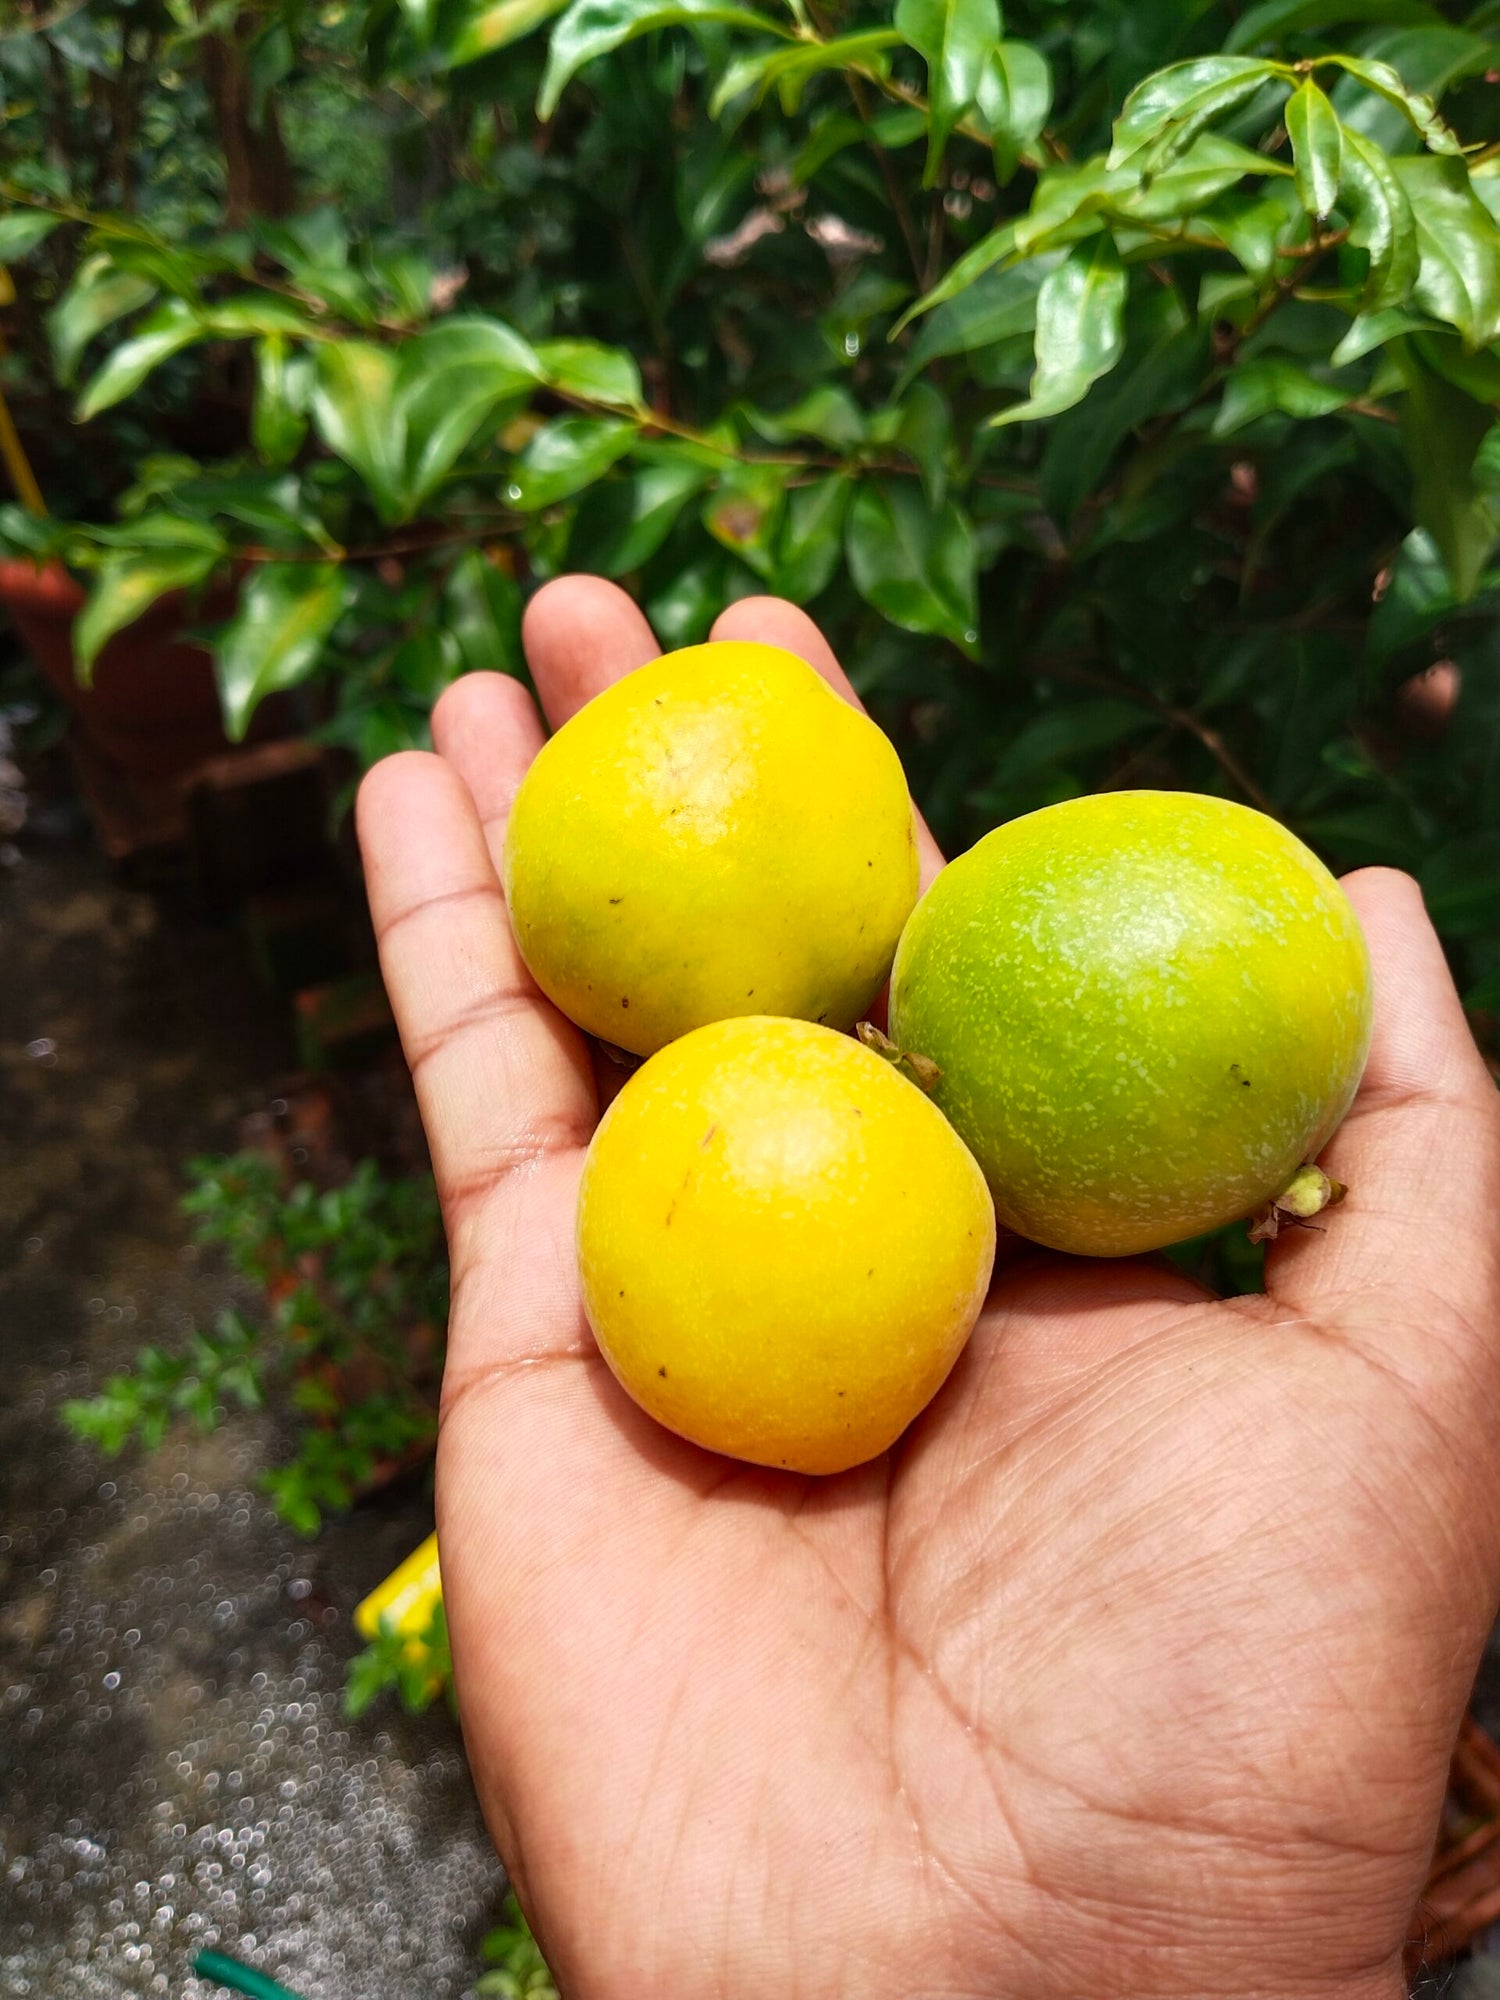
x=175 y=1771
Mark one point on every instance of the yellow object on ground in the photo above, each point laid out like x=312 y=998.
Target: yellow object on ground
x=405 y=1602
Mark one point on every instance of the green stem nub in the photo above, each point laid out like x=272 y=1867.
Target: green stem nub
x=921 y=1070
x=1305 y=1195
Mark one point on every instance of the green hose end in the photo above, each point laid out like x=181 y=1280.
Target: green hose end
x=240 y=1978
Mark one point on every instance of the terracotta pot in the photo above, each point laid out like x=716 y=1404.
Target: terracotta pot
x=153 y=707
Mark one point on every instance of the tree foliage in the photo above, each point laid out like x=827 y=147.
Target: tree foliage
x=1117 y=383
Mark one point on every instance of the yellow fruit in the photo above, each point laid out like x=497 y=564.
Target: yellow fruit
x=717 y=834
x=1147 y=1009
x=783 y=1246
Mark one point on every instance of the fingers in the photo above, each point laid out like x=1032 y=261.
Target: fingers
x=1419 y=1151
x=486 y=726
x=581 y=633
x=503 y=1081
x=774 y=622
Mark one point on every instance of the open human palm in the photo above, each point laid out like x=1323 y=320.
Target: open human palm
x=1133 y=1669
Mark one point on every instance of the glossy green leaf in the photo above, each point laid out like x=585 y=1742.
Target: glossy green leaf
x=1272 y=382
x=957 y=39
x=173 y=326
x=1162 y=116
x=591 y=28
x=1156 y=376
x=495 y=24
x=913 y=562
x=22 y=230
x=1080 y=334
x=828 y=413
x=622 y=523
x=591 y=371
x=256 y=313
x=1251 y=227
x=126 y=586
x=1461 y=885
x=1013 y=99
x=789 y=70
x=997 y=306
x=1194 y=178
x=100 y=294
x=353 y=407
x=1443 y=430
x=1273 y=20
x=286 y=612
x=1458 y=279
x=1380 y=221
x=810 y=545
x=1317 y=147
x=283 y=392
x=567 y=454
x=1415 y=105
x=482 y=613
x=1079 y=729
x=1371 y=330
x=450 y=379
x=1429 y=59
x=924 y=431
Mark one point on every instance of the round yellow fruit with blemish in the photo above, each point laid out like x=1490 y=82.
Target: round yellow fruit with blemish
x=717 y=834
x=783 y=1246
x=1147 y=1009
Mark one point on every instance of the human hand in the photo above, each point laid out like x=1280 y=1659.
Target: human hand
x=1134 y=1668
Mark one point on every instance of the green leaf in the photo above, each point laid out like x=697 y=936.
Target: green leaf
x=283 y=390
x=591 y=28
x=127 y=586
x=1072 y=729
x=744 y=513
x=286 y=612
x=173 y=326
x=1250 y=227
x=22 y=230
x=354 y=409
x=100 y=294
x=1458 y=279
x=1014 y=97
x=590 y=370
x=996 y=307
x=1461 y=885
x=991 y=250
x=255 y=312
x=1270 y=382
x=1381 y=221
x=956 y=39
x=790 y=70
x=1418 y=108
x=1210 y=166
x=1080 y=331
x=810 y=544
x=622 y=524
x=1443 y=430
x=1165 y=374
x=1429 y=60
x=1168 y=111
x=1273 y=20
x=913 y=562
x=495 y=24
x=828 y=413
x=449 y=380
x=1317 y=147
x=1372 y=330
x=568 y=454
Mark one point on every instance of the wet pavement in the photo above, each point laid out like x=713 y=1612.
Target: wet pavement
x=175 y=1769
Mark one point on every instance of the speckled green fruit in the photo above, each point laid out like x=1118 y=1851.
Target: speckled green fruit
x=1147 y=1010
x=717 y=834
x=782 y=1245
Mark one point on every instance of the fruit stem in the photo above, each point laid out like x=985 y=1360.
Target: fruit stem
x=1306 y=1194
x=922 y=1070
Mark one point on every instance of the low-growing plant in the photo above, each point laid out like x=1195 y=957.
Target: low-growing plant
x=355 y=1301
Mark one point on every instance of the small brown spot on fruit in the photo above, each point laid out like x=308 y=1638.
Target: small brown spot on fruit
x=616 y=899
x=624 y=1003
x=663 y=1373
x=708 y=1135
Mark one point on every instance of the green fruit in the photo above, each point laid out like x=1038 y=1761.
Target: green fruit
x=782 y=1245
x=716 y=834
x=1146 y=1009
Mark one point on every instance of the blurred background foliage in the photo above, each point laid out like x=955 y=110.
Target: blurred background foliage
x=1115 y=380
